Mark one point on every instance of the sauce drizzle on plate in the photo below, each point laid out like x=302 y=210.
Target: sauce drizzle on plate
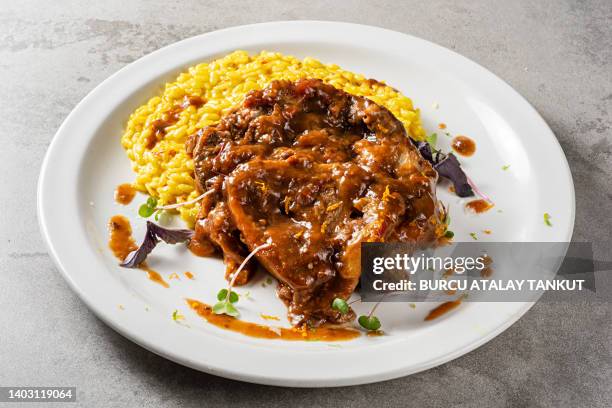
x=443 y=309
x=463 y=145
x=124 y=193
x=122 y=243
x=268 y=332
x=479 y=206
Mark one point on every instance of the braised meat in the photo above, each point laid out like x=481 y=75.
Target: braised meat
x=314 y=171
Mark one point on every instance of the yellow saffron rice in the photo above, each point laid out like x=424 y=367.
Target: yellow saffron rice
x=166 y=171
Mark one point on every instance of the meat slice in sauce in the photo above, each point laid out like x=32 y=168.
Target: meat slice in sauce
x=315 y=172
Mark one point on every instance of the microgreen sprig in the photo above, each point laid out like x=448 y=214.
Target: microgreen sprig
x=148 y=208
x=369 y=321
x=176 y=316
x=233 y=296
x=447 y=219
x=340 y=305
x=227 y=297
x=432 y=140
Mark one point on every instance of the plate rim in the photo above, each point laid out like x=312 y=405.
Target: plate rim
x=236 y=374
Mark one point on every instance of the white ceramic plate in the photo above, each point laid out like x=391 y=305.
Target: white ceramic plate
x=85 y=163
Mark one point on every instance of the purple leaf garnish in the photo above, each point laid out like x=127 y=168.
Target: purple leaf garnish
x=425 y=151
x=450 y=168
x=154 y=234
x=170 y=236
x=447 y=166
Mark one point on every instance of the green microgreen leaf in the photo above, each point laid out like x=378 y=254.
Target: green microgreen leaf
x=432 y=140
x=340 y=305
x=369 y=322
x=547 y=219
x=147 y=209
x=473 y=235
x=506 y=167
x=225 y=308
x=222 y=296
x=227 y=297
x=449 y=234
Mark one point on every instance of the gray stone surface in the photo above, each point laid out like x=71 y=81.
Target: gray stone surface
x=558 y=54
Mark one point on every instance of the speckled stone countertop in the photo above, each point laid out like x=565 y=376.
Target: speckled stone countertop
x=556 y=53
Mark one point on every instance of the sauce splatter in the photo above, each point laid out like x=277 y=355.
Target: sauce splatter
x=189 y=275
x=267 y=332
x=479 y=206
x=154 y=275
x=442 y=125
x=443 y=309
x=193 y=100
x=122 y=243
x=124 y=193
x=158 y=127
x=487 y=271
x=463 y=145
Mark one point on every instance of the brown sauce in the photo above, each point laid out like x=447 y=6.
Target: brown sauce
x=479 y=206
x=193 y=100
x=487 y=271
x=442 y=309
x=189 y=275
x=154 y=275
x=463 y=145
x=122 y=243
x=158 y=127
x=311 y=166
x=124 y=193
x=266 y=332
